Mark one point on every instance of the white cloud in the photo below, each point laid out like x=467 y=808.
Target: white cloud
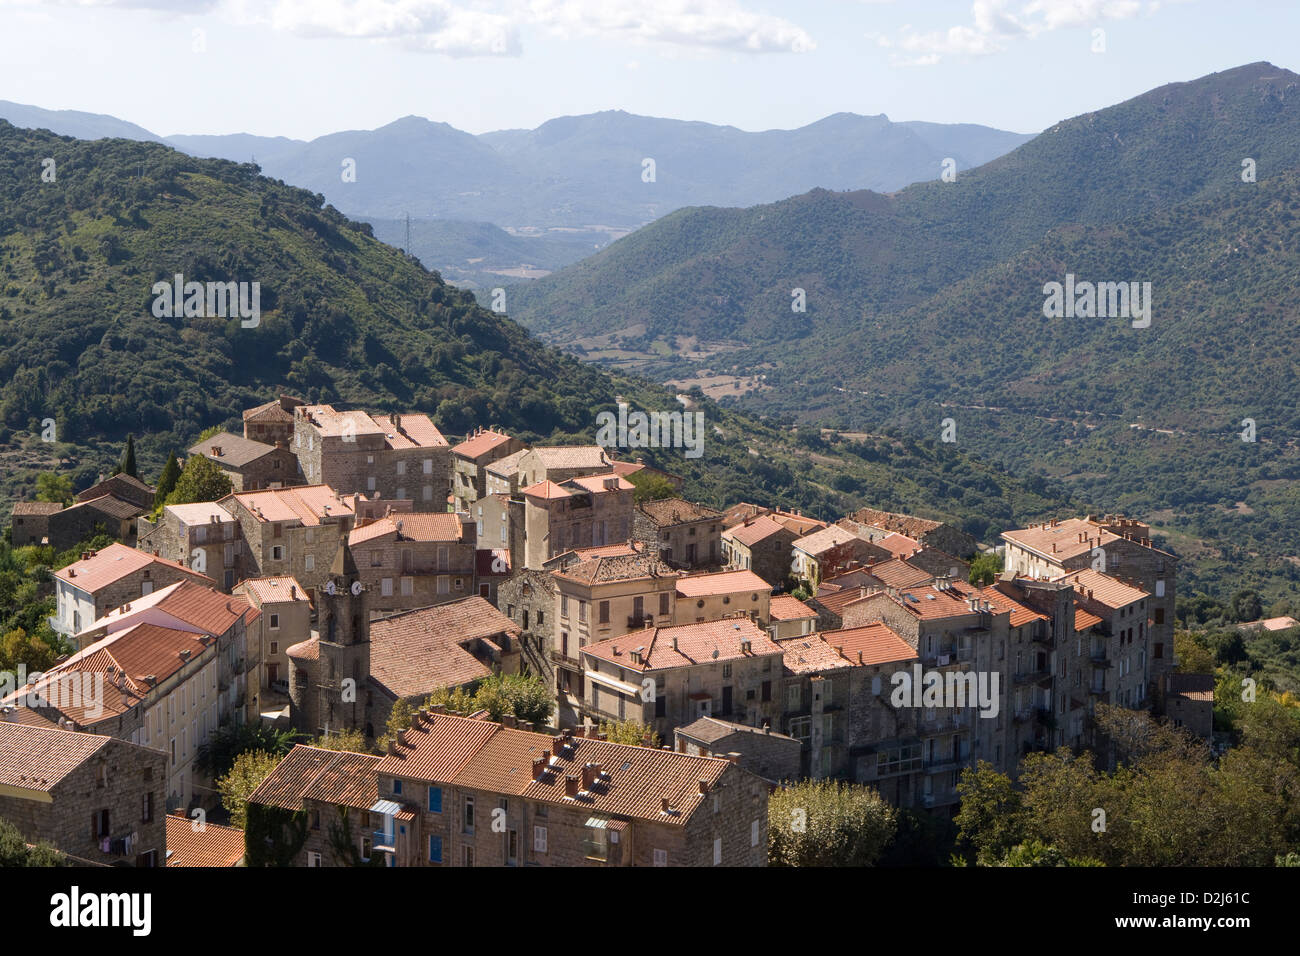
x=995 y=23
x=708 y=24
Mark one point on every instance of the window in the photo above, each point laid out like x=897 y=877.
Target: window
x=275 y=622
x=428 y=466
x=539 y=839
x=397 y=786
x=435 y=849
x=726 y=671
x=468 y=855
x=717 y=851
x=309 y=563
x=146 y=807
x=793 y=697
x=277 y=552
x=275 y=647
x=469 y=814
x=443 y=584
x=582 y=611
x=386 y=587
x=564 y=605
x=313 y=858
x=435 y=799
x=376 y=559
x=753 y=833
x=661 y=857
x=663 y=606
x=604 y=612
x=401 y=467
x=767 y=690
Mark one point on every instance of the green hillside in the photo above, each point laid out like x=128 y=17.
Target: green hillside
x=344 y=319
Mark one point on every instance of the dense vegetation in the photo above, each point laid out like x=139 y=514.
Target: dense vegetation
x=926 y=305
x=344 y=319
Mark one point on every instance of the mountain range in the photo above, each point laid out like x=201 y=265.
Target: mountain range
x=572 y=184
x=928 y=304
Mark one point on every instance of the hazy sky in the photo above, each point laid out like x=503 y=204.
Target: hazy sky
x=302 y=68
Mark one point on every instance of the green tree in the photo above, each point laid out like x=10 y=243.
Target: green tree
x=1246 y=606
x=352 y=740
x=200 y=480
x=217 y=756
x=630 y=732
x=167 y=480
x=650 y=486
x=828 y=823
x=991 y=819
x=985 y=569
x=1193 y=657
x=127 y=466
x=399 y=718
x=53 y=487
x=524 y=696
x=14 y=850
x=246 y=775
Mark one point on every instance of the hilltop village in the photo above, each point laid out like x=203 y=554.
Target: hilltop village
x=365 y=576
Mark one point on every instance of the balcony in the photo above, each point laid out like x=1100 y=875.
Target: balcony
x=1100 y=658
x=1032 y=676
x=383 y=842
x=636 y=622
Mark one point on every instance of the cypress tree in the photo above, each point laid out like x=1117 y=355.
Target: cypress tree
x=167 y=480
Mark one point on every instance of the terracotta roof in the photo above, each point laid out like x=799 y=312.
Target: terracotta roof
x=838 y=600
x=1104 y=589
x=599 y=484
x=305 y=504
x=899 y=545
x=39 y=758
x=666 y=512
x=734 y=514
x=235 y=450
x=799 y=524
x=276 y=589
x=696 y=644
x=577 y=555
x=785 y=607
x=876 y=642
x=822 y=541
x=332 y=423
x=508 y=466
x=1020 y=613
x=1060 y=540
x=909 y=525
x=214 y=846
x=312 y=773
x=418 y=652
x=563 y=457
x=423 y=526
x=721 y=582
x=113 y=563
x=308 y=650
x=271 y=411
x=755 y=531
x=201 y=608
x=896 y=573
x=1083 y=620
x=121 y=486
x=810 y=654
x=546 y=489
x=36 y=507
x=410 y=430
x=1272 y=624
x=1191 y=686
x=437 y=748
x=624 y=567
x=478 y=445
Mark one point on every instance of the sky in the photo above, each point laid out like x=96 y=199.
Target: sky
x=303 y=68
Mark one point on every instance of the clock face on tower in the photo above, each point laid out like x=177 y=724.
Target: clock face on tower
x=356 y=588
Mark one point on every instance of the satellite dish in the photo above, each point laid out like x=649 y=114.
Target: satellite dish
x=356 y=588
x=330 y=589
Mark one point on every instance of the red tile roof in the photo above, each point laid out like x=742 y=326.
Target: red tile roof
x=437 y=748
x=425 y=526
x=899 y=545
x=666 y=512
x=599 y=484
x=475 y=446
x=874 y=643
x=312 y=773
x=721 y=582
x=111 y=564
x=418 y=652
x=274 y=589
x=546 y=489
x=1104 y=589
x=897 y=573
x=696 y=644
x=306 y=504
x=909 y=525
x=213 y=846
x=39 y=758
x=785 y=607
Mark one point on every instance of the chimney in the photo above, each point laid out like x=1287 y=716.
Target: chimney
x=293 y=592
x=571 y=783
x=557 y=745
x=664 y=806
x=539 y=767
x=734 y=758
x=589 y=774
x=216 y=451
x=704 y=786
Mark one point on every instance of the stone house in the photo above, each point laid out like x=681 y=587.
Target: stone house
x=124 y=488
x=106 y=514
x=401 y=456
x=829 y=551
x=762 y=545
x=470 y=459
x=773 y=756
x=715 y=595
x=687 y=535
x=286 y=620
x=933 y=534
x=250 y=465
x=272 y=422
x=667 y=677
x=580 y=512
x=100 y=581
x=291 y=531
x=30 y=522
x=88 y=795
x=560 y=463
x=415 y=560
x=789 y=617
x=204 y=537
x=1187 y=701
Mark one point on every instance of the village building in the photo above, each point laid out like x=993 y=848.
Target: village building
x=762 y=545
x=191 y=843
x=470 y=459
x=88 y=795
x=829 y=551
x=250 y=465
x=415 y=560
x=687 y=535
x=204 y=537
x=932 y=534
x=722 y=594
x=291 y=531
x=272 y=422
x=286 y=620
x=773 y=756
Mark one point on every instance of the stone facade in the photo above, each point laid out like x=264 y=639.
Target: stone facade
x=204 y=537
x=688 y=536
x=415 y=561
x=291 y=531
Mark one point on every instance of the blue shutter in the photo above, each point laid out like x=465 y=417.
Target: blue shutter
x=435 y=849
x=435 y=799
